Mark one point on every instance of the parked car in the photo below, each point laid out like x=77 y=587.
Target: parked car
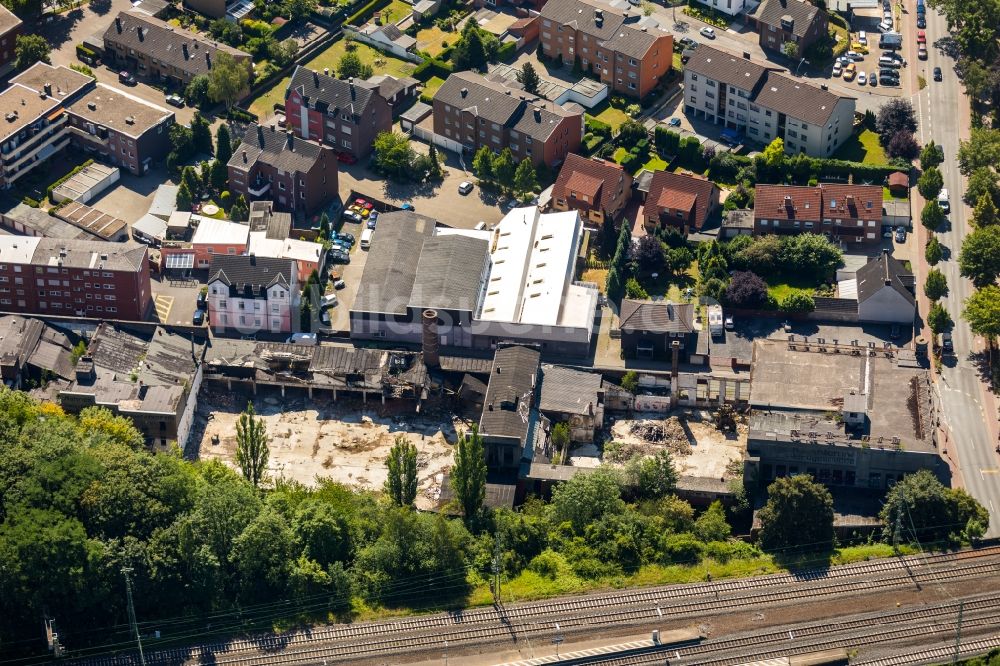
x=837 y=70
x=128 y=78
x=202 y=302
x=937 y=74
x=370 y=224
x=922 y=52
x=339 y=257
x=921 y=22
x=855 y=56
x=944 y=200
x=862 y=78
x=872 y=79
x=339 y=284
x=674 y=122
x=199 y=317
x=408 y=206
x=464 y=187
x=946 y=343
x=351 y=215
x=850 y=71
x=921 y=37
x=730 y=324
x=888 y=80
x=328 y=301
x=863 y=38
x=175 y=100
x=900 y=235
x=891 y=54
x=708 y=32
x=340 y=235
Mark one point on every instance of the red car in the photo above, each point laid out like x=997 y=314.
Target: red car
x=346 y=158
x=921 y=37
x=363 y=203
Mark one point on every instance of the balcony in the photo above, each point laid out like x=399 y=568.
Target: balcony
x=49 y=149
x=88 y=137
x=38 y=151
x=33 y=134
x=258 y=188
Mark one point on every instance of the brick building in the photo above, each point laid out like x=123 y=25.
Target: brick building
x=781 y=21
x=599 y=189
x=297 y=174
x=850 y=213
x=628 y=52
x=473 y=111
x=74 y=278
x=156 y=50
x=679 y=200
x=10 y=28
x=341 y=114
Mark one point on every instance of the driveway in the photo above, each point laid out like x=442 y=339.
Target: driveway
x=71 y=28
x=131 y=196
x=173 y=304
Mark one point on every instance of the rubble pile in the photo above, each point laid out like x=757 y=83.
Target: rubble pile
x=668 y=434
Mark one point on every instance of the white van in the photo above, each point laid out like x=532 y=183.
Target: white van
x=302 y=339
x=862 y=38
x=366 y=238
x=944 y=201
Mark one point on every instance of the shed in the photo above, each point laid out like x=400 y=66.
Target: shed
x=86 y=184
x=164 y=201
x=899 y=183
x=413 y=115
x=149 y=229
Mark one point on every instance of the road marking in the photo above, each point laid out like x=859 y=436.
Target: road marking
x=163 y=304
x=992 y=470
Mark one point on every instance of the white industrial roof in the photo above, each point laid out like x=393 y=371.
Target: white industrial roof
x=290 y=248
x=533 y=262
x=151 y=225
x=848 y=289
x=18 y=249
x=220 y=232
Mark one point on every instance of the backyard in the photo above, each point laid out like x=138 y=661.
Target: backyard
x=654 y=163
x=396 y=12
x=609 y=114
x=381 y=63
x=780 y=290
x=432 y=85
x=432 y=40
x=863 y=147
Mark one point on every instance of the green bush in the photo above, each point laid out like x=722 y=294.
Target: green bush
x=798 y=302
x=431 y=68
x=597 y=127
x=76 y=170
x=506 y=51
x=254 y=28
x=362 y=15
x=28 y=201
x=236 y=113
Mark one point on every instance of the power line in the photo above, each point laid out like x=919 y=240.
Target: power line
x=127 y=571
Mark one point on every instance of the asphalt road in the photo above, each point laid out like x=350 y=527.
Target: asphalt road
x=961 y=399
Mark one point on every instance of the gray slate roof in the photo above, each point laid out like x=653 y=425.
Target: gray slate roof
x=280 y=150
x=127 y=256
x=801 y=13
x=170 y=45
x=243 y=272
x=883 y=271
x=391 y=268
x=569 y=391
x=496 y=103
x=616 y=31
x=656 y=316
x=510 y=394
x=449 y=273
x=322 y=92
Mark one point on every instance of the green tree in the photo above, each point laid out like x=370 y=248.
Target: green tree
x=798 y=514
x=228 y=79
x=30 y=49
x=324 y=225
x=895 y=116
x=252 y=450
x=560 y=437
x=635 y=290
x=201 y=134
x=525 y=180
x=219 y=175
x=393 y=154
x=981 y=181
x=504 y=169
x=474 y=48
x=930 y=183
x=284 y=52
x=190 y=178
x=351 y=66
x=656 y=476
x=482 y=164
x=798 y=301
x=240 y=211
x=300 y=9
x=773 y=156
x=468 y=475
x=933 y=252
x=979 y=259
x=586 y=498
x=931 y=156
x=630 y=381
x=932 y=216
x=322 y=533
x=529 y=78
x=928 y=511
x=982 y=311
x=712 y=524
x=985 y=213
x=434 y=164
x=401 y=483
x=938 y=318
x=935 y=285
x=981 y=151
x=184 y=197
x=118 y=429
x=790 y=49
x=223 y=144
x=196 y=92
x=262 y=555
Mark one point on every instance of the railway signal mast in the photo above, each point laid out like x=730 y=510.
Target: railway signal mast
x=127 y=571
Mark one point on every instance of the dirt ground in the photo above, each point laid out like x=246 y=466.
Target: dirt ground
x=314 y=439
x=698 y=448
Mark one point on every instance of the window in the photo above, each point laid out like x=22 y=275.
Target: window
x=694 y=98
x=710 y=83
x=347 y=144
x=694 y=77
x=710 y=95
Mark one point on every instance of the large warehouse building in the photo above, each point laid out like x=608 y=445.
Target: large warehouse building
x=477 y=288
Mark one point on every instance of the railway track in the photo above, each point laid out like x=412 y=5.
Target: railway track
x=372 y=639
x=936 y=655
x=934 y=620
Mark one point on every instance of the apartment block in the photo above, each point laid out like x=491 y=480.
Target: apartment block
x=249 y=293
x=849 y=213
x=597 y=188
x=752 y=98
x=779 y=22
x=300 y=176
x=75 y=278
x=341 y=114
x=10 y=28
x=471 y=111
x=628 y=52
x=156 y=50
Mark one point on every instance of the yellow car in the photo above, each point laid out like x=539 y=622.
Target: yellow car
x=850 y=71
x=365 y=212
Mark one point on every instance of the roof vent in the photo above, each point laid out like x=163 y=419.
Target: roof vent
x=184 y=48
x=746 y=55
x=118 y=24
x=92 y=106
x=465 y=92
x=130 y=120
x=47 y=88
x=104 y=257
x=326 y=71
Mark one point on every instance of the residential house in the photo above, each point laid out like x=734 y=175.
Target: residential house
x=779 y=22
x=162 y=52
x=400 y=92
x=510 y=416
x=628 y=52
x=215 y=9
x=598 y=189
x=250 y=294
x=752 y=98
x=886 y=291
x=10 y=28
x=388 y=38
x=214 y=237
x=728 y=7
x=297 y=174
x=471 y=111
x=649 y=329
x=342 y=114
x=75 y=278
x=679 y=200
x=849 y=213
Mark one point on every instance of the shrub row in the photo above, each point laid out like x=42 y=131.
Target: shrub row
x=431 y=68
x=595 y=126
x=76 y=170
x=359 y=17
x=86 y=54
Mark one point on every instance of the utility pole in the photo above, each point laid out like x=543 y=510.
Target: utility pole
x=495 y=583
x=958 y=632
x=127 y=571
x=897 y=531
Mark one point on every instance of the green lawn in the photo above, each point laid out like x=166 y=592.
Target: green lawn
x=655 y=163
x=782 y=290
x=432 y=39
x=432 y=85
x=887 y=194
x=610 y=115
x=864 y=147
x=380 y=62
x=619 y=154
x=396 y=12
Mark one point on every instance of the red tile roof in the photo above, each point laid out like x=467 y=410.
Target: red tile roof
x=677 y=200
x=788 y=202
x=899 y=179
x=857 y=202
x=667 y=186
x=578 y=174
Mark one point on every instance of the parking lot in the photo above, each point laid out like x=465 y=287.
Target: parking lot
x=174 y=302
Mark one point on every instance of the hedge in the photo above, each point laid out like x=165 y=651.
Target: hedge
x=506 y=51
x=598 y=127
x=76 y=170
x=666 y=140
x=83 y=52
x=362 y=15
x=28 y=201
x=238 y=114
x=430 y=68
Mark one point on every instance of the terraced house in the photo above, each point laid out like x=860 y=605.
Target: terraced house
x=156 y=50
x=628 y=52
x=471 y=111
x=749 y=97
x=341 y=114
x=850 y=213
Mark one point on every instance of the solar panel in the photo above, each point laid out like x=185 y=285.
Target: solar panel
x=180 y=261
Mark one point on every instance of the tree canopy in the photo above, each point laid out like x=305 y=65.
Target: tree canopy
x=30 y=49
x=228 y=79
x=798 y=514
x=979 y=259
x=982 y=311
x=928 y=512
x=468 y=476
x=401 y=481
